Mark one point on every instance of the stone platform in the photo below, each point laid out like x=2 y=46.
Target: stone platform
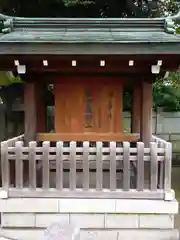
x=101 y=219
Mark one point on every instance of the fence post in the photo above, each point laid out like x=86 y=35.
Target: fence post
x=5 y=166
x=59 y=165
x=99 y=166
x=32 y=165
x=126 y=166
x=19 y=165
x=140 y=166
x=154 y=165
x=72 y=174
x=113 y=175
x=45 y=164
x=85 y=156
x=167 y=164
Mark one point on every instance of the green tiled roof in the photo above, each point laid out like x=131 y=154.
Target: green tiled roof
x=88 y=36
x=54 y=36
x=16 y=29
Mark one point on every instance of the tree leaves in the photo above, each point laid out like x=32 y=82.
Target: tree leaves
x=88 y=8
x=166 y=92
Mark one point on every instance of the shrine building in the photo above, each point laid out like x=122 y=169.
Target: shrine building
x=87 y=169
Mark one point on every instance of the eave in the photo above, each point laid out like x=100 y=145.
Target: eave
x=88 y=37
x=60 y=48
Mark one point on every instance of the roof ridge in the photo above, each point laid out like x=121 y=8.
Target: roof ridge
x=10 y=23
x=16 y=18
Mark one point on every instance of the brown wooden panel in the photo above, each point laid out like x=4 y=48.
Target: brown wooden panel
x=69 y=107
x=88 y=105
x=117 y=137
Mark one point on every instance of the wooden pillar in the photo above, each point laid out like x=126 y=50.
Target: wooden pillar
x=34 y=110
x=146 y=114
x=41 y=107
x=136 y=109
x=30 y=111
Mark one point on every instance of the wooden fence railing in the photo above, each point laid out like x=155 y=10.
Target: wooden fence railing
x=11 y=142
x=101 y=164
x=164 y=177
x=160 y=142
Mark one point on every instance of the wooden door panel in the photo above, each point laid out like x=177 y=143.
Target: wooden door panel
x=86 y=106
x=69 y=108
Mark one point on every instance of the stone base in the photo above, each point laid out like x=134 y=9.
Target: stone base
x=100 y=234
x=115 y=219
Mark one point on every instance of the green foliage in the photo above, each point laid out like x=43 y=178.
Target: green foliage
x=166 y=92
x=168 y=7
x=166 y=97
x=7 y=78
x=88 y=8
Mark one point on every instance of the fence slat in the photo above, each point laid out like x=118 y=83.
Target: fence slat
x=99 y=163
x=5 y=166
x=59 y=165
x=19 y=165
x=32 y=165
x=126 y=166
x=161 y=174
x=140 y=166
x=112 y=166
x=72 y=175
x=85 y=165
x=168 y=164
x=45 y=165
x=154 y=166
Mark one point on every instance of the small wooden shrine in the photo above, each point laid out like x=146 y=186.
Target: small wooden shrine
x=89 y=61
x=86 y=170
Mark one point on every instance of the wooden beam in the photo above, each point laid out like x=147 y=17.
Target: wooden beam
x=125 y=78
x=137 y=69
x=54 y=57
x=136 y=109
x=93 y=136
x=146 y=114
x=89 y=63
x=34 y=110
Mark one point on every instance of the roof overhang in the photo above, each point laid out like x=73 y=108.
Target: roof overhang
x=53 y=66
x=104 y=48
x=47 y=37
x=116 y=36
